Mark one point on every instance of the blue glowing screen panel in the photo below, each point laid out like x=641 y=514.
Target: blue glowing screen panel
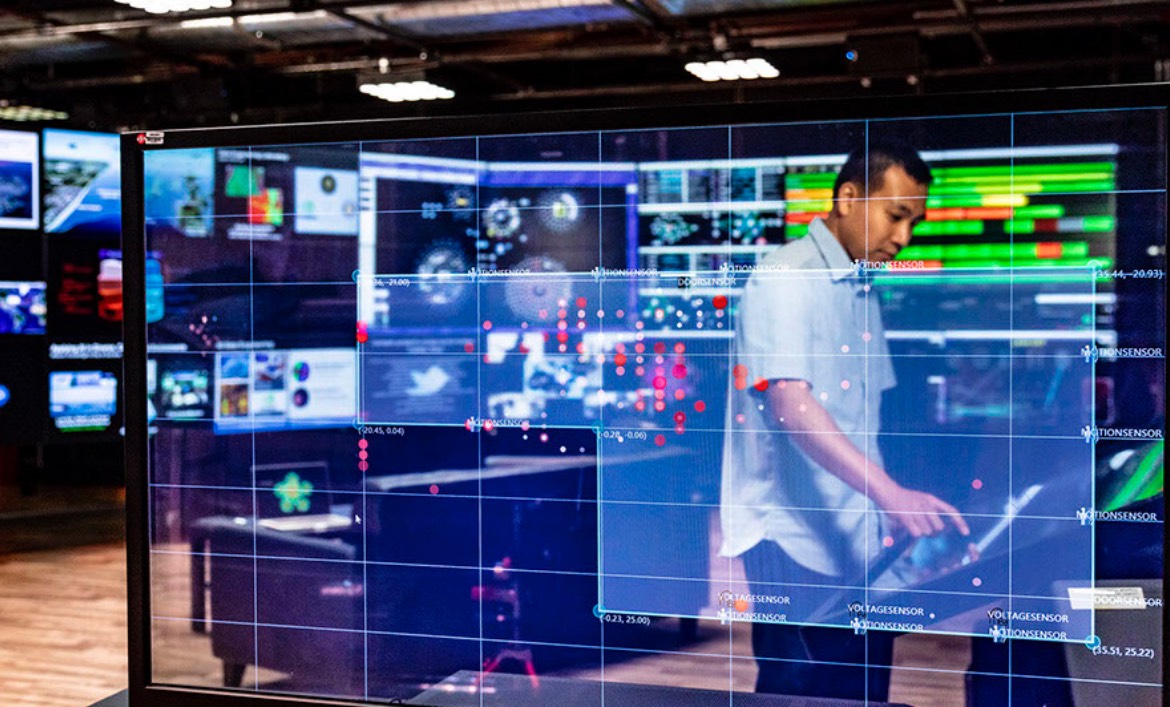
x=825 y=410
x=22 y=308
x=83 y=401
x=83 y=183
x=20 y=184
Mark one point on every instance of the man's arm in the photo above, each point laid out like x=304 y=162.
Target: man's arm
x=816 y=433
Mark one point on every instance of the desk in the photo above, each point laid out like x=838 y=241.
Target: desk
x=537 y=515
x=122 y=699
x=503 y=467
x=245 y=538
x=409 y=569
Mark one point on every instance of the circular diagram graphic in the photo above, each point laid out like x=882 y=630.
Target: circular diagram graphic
x=443 y=268
x=544 y=284
x=559 y=211
x=501 y=219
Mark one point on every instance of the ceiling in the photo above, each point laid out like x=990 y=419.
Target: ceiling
x=113 y=67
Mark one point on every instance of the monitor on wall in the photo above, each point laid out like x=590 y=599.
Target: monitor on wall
x=842 y=403
x=20 y=188
x=82 y=183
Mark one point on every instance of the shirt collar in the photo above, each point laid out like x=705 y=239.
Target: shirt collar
x=831 y=250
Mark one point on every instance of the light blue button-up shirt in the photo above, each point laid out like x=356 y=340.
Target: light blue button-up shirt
x=806 y=315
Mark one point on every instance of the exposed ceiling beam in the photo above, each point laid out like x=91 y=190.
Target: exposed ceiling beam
x=976 y=33
x=137 y=42
x=397 y=38
x=646 y=16
x=385 y=31
x=769 y=31
x=1050 y=8
x=630 y=55
x=1034 y=67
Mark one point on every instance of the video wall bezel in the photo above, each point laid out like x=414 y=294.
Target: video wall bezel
x=141 y=690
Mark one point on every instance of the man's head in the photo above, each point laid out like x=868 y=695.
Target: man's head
x=878 y=198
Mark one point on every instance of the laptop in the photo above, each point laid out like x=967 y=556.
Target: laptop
x=297 y=498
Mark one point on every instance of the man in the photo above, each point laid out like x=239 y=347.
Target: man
x=803 y=480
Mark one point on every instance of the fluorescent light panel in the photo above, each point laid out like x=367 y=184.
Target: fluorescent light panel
x=407 y=91
x=445 y=9
x=733 y=70
x=275 y=18
x=207 y=23
x=161 y=7
x=23 y=113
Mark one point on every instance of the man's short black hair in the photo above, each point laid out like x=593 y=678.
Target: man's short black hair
x=868 y=174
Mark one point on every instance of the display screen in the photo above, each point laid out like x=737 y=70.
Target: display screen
x=83 y=401
x=20 y=186
x=83 y=183
x=274 y=194
x=285 y=389
x=25 y=316
x=22 y=308
x=865 y=409
x=85 y=298
x=179 y=190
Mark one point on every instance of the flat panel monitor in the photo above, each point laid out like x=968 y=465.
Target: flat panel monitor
x=22 y=308
x=83 y=400
x=20 y=188
x=833 y=403
x=82 y=183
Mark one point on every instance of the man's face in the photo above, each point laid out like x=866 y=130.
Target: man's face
x=878 y=227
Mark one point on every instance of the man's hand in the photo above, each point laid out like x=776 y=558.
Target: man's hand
x=919 y=513
x=817 y=434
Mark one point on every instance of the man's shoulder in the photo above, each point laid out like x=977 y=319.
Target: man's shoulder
x=800 y=254
x=795 y=265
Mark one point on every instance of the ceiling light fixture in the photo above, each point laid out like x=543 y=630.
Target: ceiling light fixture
x=733 y=70
x=446 y=9
x=207 y=23
x=161 y=7
x=24 y=113
x=275 y=18
x=407 y=91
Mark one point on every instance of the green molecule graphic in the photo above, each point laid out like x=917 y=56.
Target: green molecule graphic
x=293 y=494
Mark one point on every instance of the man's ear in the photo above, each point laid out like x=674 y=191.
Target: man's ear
x=847 y=198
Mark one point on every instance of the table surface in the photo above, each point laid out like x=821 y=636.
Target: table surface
x=121 y=699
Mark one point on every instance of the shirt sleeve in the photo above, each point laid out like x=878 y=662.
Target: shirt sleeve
x=777 y=316
x=889 y=378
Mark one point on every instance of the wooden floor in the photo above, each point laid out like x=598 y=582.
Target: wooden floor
x=63 y=626
x=63 y=623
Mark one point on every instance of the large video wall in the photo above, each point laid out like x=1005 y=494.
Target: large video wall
x=594 y=407
x=23 y=303
x=61 y=280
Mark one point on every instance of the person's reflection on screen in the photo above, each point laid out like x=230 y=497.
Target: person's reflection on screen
x=803 y=479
